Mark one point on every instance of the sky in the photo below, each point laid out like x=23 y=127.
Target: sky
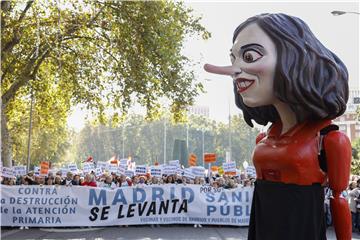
x=340 y=34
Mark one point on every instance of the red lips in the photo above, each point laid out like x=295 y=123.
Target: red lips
x=242 y=84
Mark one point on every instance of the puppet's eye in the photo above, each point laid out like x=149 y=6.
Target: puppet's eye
x=250 y=56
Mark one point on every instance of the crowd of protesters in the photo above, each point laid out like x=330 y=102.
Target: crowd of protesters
x=112 y=180
x=353 y=196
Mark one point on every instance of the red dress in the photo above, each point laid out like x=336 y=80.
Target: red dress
x=288 y=201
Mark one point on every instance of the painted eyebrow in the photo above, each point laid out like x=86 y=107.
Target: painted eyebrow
x=256 y=47
x=251 y=45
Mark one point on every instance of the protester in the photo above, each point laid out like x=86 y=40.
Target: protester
x=57 y=180
x=354 y=204
x=68 y=181
x=89 y=180
x=50 y=181
x=108 y=182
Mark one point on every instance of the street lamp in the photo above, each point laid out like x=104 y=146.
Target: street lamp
x=338 y=13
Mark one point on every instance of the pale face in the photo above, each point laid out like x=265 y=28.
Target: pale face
x=253 y=58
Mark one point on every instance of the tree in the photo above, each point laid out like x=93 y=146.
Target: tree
x=355 y=163
x=145 y=139
x=102 y=54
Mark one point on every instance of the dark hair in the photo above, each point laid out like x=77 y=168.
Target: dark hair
x=308 y=76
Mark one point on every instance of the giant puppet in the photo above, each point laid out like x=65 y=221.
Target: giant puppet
x=282 y=74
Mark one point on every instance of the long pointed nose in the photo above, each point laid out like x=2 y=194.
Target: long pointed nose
x=225 y=70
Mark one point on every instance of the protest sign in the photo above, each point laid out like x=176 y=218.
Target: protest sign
x=125 y=161
x=7 y=172
x=73 y=168
x=229 y=167
x=88 y=167
x=169 y=169
x=98 y=171
x=188 y=173
x=209 y=157
x=129 y=173
x=44 y=168
x=174 y=163
x=198 y=171
x=64 y=171
x=113 y=168
x=156 y=171
x=250 y=171
x=121 y=170
x=192 y=160
x=102 y=165
x=19 y=170
x=140 y=170
x=214 y=168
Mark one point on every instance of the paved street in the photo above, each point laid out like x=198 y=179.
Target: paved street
x=135 y=232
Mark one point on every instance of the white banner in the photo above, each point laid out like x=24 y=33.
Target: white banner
x=51 y=206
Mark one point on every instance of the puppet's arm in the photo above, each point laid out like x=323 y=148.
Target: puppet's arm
x=338 y=157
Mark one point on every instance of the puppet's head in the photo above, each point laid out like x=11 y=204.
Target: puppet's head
x=304 y=74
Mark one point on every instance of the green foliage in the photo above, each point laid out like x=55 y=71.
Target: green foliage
x=355 y=163
x=105 y=55
x=145 y=140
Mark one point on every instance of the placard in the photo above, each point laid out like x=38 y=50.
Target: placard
x=7 y=172
x=140 y=170
x=198 y=171
x=229 y=167
x=44 y=168
x=129 y=173
x=188 y=173
x=102 y=165
x=156 y=171
x=19 y=170
x=209 y=157
x=169 y=169
x=73 y=168
x=88 y=167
